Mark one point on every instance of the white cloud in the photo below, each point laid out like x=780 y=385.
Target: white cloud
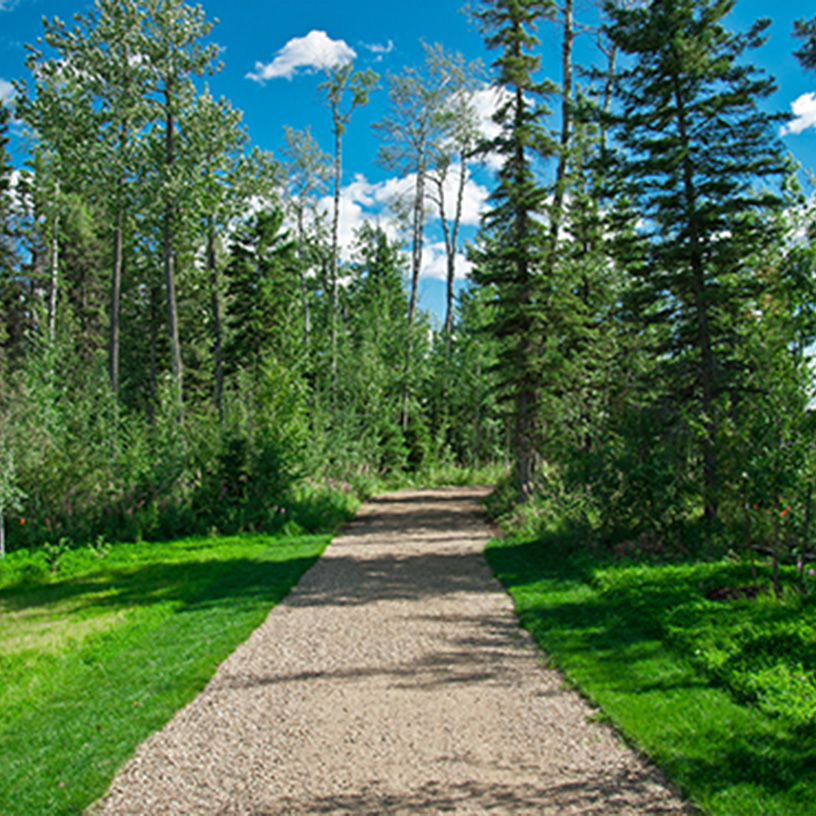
x=378 y=49
x=314 y=52
x=8 y=5
x=6 y=90
x=804 y=109
x=486 y=102
x=435 y=262
x=362 y=200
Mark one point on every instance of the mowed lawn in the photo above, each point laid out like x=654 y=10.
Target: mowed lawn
x=101 y=652
x=720 y=694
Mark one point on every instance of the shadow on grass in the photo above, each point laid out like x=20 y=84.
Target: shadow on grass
x=118 y=686
x=729 y=758
x=187 y=584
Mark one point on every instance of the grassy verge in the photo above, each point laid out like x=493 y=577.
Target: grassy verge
x=99 y=654
x=720 y=694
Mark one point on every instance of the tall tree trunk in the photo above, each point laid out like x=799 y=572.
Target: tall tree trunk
x=116 y=286
x=611 y=56
x=335 y=250
x=304 y=289
x=52 y=301
x=116 y=282
x=416 y=265
x=154 y=351
x=454 y=242
x=216 y=321
x=708 y=366
x=566 y=110
x=169 y=279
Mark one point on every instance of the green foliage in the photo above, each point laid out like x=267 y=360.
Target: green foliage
x=805 y=30
x=262 y=290
x=511 y=255
x=698 y=186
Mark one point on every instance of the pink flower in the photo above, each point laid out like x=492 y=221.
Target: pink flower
x=811 y=572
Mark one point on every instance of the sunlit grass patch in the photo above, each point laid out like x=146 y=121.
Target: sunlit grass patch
x=97 y=656
x=719 y=694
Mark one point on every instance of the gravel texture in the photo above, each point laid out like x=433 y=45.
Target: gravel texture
x=393 y=680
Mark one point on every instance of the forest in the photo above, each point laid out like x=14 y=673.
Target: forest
x=186 y=348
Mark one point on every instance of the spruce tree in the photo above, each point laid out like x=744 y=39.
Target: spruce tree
x=511 y=251
x=696 y=158
x=805 y=30
x=262 y=275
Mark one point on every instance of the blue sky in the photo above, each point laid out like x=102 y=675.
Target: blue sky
x=274 y=39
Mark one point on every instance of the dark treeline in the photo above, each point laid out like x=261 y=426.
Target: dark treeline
x=183 y=340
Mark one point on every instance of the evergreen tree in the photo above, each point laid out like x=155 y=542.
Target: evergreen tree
x=805 y=30
x=263 y=285
x=6 y=247
x=512 y=246
x=695 y=155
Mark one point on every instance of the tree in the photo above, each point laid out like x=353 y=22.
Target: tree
x=695 y=152
x=410 y=134
x=174 y=52
x=345 y=90
x=307 y=173
x=511 y=252
x=101 y=53
x=262 y=285
x=7 y=252
x=806 y=30
x=460 y=134
x=371 y=385
x=11 y=293
x=226 y=178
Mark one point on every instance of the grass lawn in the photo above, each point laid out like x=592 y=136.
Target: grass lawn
x=99 y=655
x=721 y=695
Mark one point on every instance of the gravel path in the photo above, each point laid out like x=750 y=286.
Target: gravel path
x=393 y=680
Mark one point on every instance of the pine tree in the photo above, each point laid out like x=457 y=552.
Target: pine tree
x=512 y=248
x=695 y=155
x=805 y=30
x=262 y=277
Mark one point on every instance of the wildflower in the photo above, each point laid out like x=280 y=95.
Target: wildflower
x=283 y=509
x=811 y=572
x=22 y=521
x=784 y=512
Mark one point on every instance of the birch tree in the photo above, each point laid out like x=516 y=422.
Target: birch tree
x=174 y=52
x=307 y=171
x=345 y=90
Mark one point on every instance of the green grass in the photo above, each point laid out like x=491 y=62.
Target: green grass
x=721 y=695
x=95 y=658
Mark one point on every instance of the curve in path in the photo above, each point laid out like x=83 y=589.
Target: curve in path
x=393 y=680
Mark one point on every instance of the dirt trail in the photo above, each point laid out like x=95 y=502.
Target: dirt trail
x=393 y=680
